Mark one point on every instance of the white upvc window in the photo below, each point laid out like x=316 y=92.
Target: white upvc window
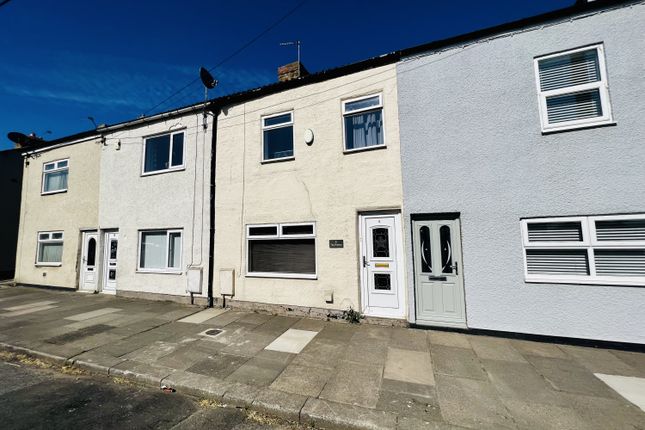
x=363 y=122
x=285 y=250
x=163 y=153
x=603 y=250
x=160 y=251
x=50 y=248
x=277 y=137
x=572 y=89
x=55 y=176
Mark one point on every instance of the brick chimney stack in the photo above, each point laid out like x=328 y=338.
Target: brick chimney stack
x=291 y=71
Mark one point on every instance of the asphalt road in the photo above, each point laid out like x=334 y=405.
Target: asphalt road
x=35 y=398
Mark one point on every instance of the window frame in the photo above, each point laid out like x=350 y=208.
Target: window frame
x=50 y=240
x=170 y=168
x=602 y=85
x=166 y=270
x=54 y=170
x=280 y=236
x=291 y=124
x=345 y=113
x=589 y=243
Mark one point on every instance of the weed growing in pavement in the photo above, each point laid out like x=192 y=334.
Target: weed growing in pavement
x=352 y=316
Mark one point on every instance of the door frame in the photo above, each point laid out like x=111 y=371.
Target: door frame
x=449 y=216
x=97 y=260
x=104 y=262
x=400 y=259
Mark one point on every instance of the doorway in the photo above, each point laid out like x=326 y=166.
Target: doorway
x=88 y=277
x=110 y=262
x=381 y=251
x=438 y=273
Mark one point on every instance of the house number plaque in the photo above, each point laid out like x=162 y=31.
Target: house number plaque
x=336 y=243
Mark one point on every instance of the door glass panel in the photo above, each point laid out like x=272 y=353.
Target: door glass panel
x=382 y=281
x=112 y=274
x=446 y=249
x=426 y=252
x=380 y=242
x=91 y=252
x=113 y=246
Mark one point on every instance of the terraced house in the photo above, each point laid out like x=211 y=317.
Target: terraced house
x=492 y=181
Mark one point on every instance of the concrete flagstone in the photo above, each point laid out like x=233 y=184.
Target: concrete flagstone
x=30 y=305
x=346 y=375
x=202 y=316
x=409 y=366
x=292 y=341
x=93 y=314
x=27 y=311
x=631 y=388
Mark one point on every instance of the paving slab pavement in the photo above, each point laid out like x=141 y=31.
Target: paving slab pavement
x=331 y=374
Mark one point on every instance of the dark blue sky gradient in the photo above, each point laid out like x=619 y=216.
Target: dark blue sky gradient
x=64 y=60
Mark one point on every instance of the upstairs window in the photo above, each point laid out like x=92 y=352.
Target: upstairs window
x=572 y=88
x=363 y=122
x=282 y=250
x=163 y=153
x=277 y=137
x=50 y=248
x=55 y=177
x=606 y=250
x=160 y=251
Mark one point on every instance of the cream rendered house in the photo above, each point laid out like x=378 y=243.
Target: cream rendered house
x=309 y=195
x=59 y=207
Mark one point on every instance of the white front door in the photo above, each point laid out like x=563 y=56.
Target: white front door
x=382 y=269
x=88 y=278
x=438 y=273
x=110 y=263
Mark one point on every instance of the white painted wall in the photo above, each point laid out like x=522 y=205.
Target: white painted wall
x=322 y=184
x=131 y=202
x=472 y=143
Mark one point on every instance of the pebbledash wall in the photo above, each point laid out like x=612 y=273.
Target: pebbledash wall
x=472 y=143
x=130 y=201
x=69 y=211
x=321 y=184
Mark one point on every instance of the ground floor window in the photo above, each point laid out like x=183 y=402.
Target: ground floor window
x=607 y=249
x=160 y=250
x=282 y=250
x=50 y=248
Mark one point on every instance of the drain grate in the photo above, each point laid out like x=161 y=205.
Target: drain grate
x=212 y=332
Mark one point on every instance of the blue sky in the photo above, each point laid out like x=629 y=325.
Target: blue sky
x=64 y=60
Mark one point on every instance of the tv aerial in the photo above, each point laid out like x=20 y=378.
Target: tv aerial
x=209 y=83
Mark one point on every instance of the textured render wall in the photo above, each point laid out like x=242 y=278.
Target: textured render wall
x=322 y=184
x=69 y=212
x=131 y=202
x=471 y=143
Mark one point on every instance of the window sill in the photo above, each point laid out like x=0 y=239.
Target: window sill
x=282 y=275
x=48 y=193
x=563 y=129
x=624 y=282
x=367 y=148
x=278 y=160
x=160 y=271
x=49 y=264
x=159 y=172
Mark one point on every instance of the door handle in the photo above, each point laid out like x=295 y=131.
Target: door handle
x=455 y=267
x=365 y=263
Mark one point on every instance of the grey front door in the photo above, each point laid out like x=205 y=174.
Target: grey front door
x=438 y=273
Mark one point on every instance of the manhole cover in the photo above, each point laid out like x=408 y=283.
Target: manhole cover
x=212 y=332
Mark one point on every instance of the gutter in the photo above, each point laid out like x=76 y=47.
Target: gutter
x=211 y=235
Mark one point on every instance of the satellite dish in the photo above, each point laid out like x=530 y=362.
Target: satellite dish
x=22 y=139
x=207 y=79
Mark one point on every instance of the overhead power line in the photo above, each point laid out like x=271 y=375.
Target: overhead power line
x=233 y=54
